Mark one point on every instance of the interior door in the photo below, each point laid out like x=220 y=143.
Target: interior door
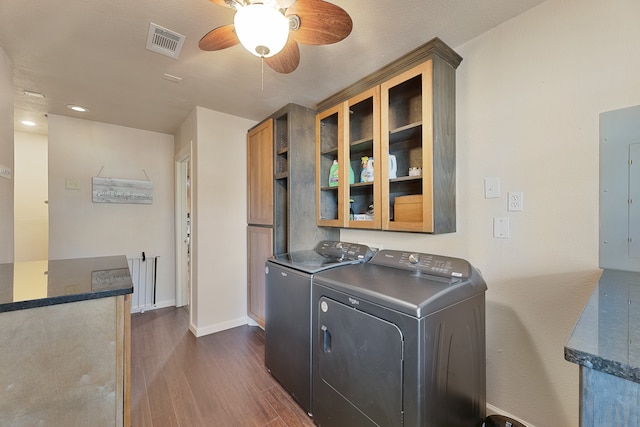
x=183 y=230
x=360 y=358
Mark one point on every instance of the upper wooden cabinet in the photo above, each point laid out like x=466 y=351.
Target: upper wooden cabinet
x=349 y=133
x=260 y=174
x=404 y=117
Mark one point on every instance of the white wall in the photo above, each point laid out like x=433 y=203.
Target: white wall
x=528 y=97
x=219 y=183
x=31 y=221
x=82 y=149
x=6 y=157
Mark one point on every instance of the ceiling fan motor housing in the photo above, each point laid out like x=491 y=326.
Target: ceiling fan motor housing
x=312 y=22
x=262 y=30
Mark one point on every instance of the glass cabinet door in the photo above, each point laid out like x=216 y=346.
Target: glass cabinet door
x=331 y=168
x=407 y=125
x=367 y=165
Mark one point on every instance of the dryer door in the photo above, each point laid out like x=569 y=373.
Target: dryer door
x=360 y=367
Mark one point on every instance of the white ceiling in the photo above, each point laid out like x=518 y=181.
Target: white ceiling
x=92 y=53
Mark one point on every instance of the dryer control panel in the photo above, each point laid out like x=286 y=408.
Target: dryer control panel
x=437 y=265
x=344 y=250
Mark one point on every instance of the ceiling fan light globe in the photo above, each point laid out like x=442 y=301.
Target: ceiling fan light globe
x=261 y=29
x=285 y=3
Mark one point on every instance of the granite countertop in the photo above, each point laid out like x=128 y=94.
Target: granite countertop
x=607 y=335
x=41 y=283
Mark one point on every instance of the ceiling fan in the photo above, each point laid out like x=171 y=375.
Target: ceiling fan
x=272 y=29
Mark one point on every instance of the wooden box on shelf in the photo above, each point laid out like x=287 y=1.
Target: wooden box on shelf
x=408 y=208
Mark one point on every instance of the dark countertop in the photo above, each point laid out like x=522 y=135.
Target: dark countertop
x=41 y=283
x=607 y=335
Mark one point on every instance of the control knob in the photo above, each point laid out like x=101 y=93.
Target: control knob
x=414 y=259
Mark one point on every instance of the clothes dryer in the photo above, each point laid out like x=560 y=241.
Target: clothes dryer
x=399 y=341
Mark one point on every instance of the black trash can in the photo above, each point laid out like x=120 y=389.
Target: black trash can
x=501 y=421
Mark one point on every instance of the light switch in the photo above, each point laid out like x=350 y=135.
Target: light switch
x=501 y=228
x=491 y=188
x=71 y=184
x=5 y=172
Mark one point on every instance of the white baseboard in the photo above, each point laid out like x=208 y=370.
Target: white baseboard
x=156 y=306
x=211 y=329
x=492 y=410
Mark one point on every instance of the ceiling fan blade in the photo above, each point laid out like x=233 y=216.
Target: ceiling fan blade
x=226 y=3
x=321 y=22
x=219 y=38
x=287 y=59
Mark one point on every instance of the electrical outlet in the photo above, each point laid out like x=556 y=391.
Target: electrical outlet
x=516 y=201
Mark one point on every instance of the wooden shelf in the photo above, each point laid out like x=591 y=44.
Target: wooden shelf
x=365 y=144
x=404 y=133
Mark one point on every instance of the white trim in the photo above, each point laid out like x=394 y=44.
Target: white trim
x=156 y=306
x=182 y=161
x=212 y=329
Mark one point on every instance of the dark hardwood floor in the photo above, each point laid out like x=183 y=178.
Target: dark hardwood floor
x=218 y=380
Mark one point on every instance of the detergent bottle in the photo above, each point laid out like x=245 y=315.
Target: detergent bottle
x=333 y=174
x=367 y=169
x=393 y=167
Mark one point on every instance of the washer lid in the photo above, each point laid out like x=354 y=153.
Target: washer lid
x=327 y=254
x=309 y=261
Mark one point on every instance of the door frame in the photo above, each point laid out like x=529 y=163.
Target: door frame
x=183 y=272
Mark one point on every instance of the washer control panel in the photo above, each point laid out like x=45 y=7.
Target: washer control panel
x=437 y=265
x=344 y=250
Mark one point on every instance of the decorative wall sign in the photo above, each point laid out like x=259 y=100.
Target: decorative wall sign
x=105 y=279
x=111 y=190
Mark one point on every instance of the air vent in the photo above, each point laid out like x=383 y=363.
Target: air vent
x=164 y=41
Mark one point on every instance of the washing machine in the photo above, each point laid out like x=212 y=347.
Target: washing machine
x=287 y=341
x=399 y=341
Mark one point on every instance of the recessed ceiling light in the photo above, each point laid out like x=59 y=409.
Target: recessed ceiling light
x=28 y=123
x=78 y=108
x=172 y=78
x=33 y=94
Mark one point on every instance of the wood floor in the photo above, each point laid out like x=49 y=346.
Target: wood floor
x=218 y=380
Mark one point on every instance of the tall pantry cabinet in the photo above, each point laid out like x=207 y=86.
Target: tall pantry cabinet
x=259 y=213
x=280 y=195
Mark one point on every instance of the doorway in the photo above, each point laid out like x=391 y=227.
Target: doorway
x=183 y=231
x=31 y=209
